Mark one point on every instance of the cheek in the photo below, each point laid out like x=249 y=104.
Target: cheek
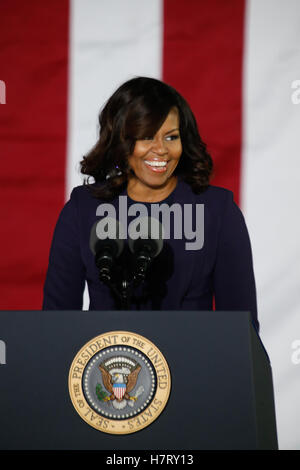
x=177 y=152
x=134 y=162
x=137 y=155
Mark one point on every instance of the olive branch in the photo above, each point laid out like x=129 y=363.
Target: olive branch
x=101 y=394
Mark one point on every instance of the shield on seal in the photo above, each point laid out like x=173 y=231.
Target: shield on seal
x=119 y=390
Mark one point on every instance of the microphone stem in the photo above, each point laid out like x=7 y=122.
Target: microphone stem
x=125 y=295
x=142 y=264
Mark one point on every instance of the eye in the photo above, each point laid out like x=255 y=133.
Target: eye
x=172 y=137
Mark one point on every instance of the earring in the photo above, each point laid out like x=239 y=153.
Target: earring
x=118 y=171
x=113 y=173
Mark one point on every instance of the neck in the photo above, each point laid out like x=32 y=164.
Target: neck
x=142 y=193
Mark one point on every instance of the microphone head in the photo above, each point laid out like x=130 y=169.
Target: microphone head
x=106 y=232
x=146 y=230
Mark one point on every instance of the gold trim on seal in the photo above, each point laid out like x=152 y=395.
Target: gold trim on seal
x=121 y=339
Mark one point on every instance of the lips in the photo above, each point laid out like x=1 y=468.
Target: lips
x=158 y=166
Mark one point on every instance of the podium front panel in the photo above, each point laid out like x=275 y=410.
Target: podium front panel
x=221 y=382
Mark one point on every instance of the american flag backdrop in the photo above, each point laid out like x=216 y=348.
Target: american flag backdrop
x=237 y=62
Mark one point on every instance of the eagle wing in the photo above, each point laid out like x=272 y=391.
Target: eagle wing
x=132 y=378
x=106 y=377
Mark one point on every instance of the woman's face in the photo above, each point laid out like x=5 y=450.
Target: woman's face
x=155 y=158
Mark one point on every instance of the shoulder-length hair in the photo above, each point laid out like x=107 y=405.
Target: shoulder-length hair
x=136 y=110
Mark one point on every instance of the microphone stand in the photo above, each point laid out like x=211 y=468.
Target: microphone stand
x=124 y=291
x=107 y=250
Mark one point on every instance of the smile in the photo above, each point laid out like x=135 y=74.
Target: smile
x=158 y=166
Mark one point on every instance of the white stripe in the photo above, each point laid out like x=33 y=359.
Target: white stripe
x=111 y=41
x=271 y=192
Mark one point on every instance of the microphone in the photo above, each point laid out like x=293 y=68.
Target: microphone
x=145 y=244
x=106 y=245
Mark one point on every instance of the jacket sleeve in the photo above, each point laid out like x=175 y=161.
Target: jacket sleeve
x=234 y=282
x=65 y=279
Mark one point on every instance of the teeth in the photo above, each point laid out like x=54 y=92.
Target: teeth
x=156 y=163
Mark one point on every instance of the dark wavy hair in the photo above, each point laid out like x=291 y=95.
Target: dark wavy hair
x=136 y=110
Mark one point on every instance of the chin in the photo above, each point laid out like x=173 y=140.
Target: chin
x=156 y=181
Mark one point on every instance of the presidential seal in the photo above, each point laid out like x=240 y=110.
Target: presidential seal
x=119 y=382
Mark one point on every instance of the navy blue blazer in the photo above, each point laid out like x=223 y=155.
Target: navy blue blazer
x=178 y=279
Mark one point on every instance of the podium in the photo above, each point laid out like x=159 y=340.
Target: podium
x=221 y=395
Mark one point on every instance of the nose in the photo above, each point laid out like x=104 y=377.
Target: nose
x=159 y=146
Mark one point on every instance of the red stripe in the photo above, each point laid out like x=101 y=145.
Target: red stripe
x=202 y=59
x=34 y=66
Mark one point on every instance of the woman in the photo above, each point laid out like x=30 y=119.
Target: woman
x=150 y=152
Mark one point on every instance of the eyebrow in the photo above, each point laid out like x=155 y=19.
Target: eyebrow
x=176 y=129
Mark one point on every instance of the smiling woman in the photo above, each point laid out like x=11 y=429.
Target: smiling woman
x=150 y=157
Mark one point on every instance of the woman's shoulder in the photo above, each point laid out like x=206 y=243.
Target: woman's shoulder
x=218 y=196
x=82 y=203
x=83 y=193
x=212 y=195
x=80 y=191
x=219 y=192
x=218 y=202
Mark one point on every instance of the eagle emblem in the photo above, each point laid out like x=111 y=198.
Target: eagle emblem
x=119 y=376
